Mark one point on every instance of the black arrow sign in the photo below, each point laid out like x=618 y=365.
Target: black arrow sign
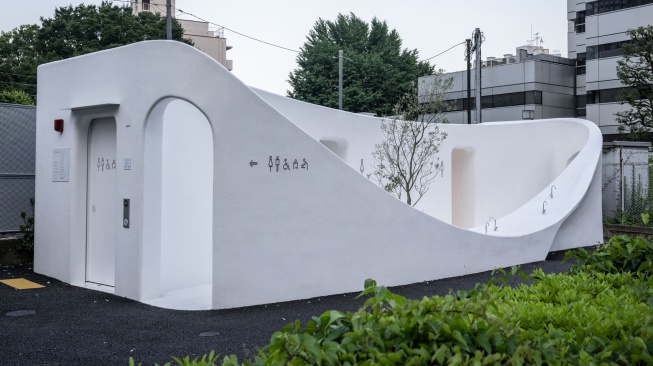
x=252 y=163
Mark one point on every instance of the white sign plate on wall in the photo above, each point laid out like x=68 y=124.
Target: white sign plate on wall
x=60 y=164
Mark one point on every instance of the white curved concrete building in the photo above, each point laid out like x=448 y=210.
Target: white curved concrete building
x=214 y=220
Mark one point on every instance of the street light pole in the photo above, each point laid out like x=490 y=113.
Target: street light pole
x=340 y=79
x=468 y=57
x=478 y=40
x=169 y=19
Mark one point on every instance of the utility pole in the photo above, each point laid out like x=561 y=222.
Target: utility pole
x=468 y=57
x=339 y=79
x=169 y=19
x=478 y=40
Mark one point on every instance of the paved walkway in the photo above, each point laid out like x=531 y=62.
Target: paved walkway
x=77 y=326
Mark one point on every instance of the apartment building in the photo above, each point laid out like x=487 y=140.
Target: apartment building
x=210 y=41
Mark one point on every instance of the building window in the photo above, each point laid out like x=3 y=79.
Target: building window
x=579 y=22
x=581 y=105
x=606 y=95
x=146 y=5
x=589 y=8
x=580 y=63
x=499 y=100
x=472 y=100
x=487 y=101
x=604 y=6
x=609 y=95
x=605 y=50
x=533 y=97
x=457 y=105
x=592 y=97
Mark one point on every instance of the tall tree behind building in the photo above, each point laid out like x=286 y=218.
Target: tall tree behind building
x=377 y=71
x=73 y=31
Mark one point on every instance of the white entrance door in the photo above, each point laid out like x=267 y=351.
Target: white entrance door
x=102 y=221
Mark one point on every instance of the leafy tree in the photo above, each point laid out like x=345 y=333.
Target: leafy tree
x=19 y=59
x=16 y=97
x=376 y=72
x=74 y=31
x=635 y=70
x=407 y=160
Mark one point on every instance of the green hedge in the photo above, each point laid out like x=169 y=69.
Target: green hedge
x=621 y=254
x=598 y=314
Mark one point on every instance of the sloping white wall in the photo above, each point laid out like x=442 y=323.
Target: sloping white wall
x=287 y=231
x=497 y=154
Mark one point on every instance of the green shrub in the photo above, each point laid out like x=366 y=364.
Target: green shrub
x=16 y=97
x=601 y=313
x=559 y=319
x=207 y=360
x=27 y=229
x=621 y=253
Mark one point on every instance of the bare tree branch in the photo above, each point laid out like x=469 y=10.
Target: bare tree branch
x=406 y=161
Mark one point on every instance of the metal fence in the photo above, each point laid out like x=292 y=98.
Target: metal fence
x=17 y=157
x=627 y=179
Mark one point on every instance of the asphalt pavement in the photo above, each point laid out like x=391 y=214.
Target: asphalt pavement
x=69 y=325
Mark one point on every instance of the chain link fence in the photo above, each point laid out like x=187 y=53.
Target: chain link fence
x=627 y=179
x=17 y=158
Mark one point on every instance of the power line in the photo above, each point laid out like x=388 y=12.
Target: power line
x=13 y=74
x=260 y=40
x=463 y=42
x=242 y=34
x=13 y=82
x=217 y=25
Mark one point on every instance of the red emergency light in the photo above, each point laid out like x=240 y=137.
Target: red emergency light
x=58 y=125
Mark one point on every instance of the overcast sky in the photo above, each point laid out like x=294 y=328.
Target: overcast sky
x=430 y=26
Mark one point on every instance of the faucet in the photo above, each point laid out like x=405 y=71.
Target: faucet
x=552 y=188
x=544 y=209
x=495 y=223
x=486 y=225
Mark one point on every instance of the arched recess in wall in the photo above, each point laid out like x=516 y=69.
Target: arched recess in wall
x=178 y=199
x=463 y=192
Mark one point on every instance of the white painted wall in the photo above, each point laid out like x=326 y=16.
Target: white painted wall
x=491 y=147
x=317 y=228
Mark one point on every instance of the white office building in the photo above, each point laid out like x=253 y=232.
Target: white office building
x=583 y=85
x=597 y=31
x=532 y=84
